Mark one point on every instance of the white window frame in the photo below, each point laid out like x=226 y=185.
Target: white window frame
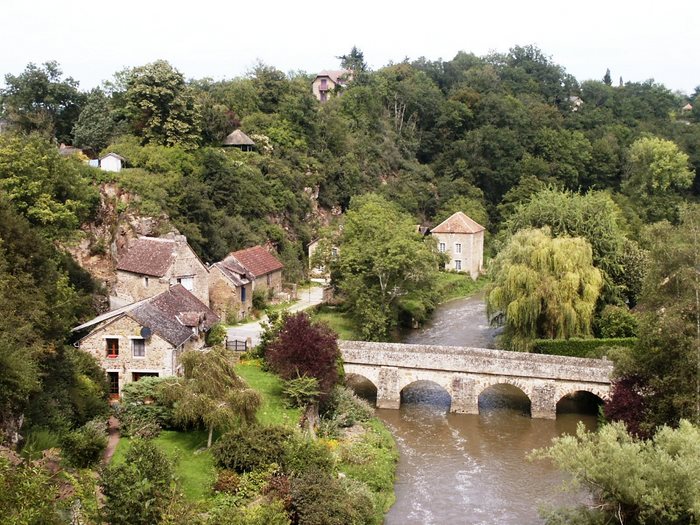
x=189 y=279
x=458 y=264
x=442 y=247
x=458 y=247
x=133 y=348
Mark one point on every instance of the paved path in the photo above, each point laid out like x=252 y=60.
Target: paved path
x=252 y=331
x=112 y=440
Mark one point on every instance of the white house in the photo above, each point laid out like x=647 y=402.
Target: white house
x=111 y=162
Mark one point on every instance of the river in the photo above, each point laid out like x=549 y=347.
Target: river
x=473 y=469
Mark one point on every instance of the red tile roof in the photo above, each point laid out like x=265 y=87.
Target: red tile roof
x=458 y=223
x=257 y=260
x=148 y=256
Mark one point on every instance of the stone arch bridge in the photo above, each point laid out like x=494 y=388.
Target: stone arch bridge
x=466 y=372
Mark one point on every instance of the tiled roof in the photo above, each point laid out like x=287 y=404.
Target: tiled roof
x=238 y=138
x=458 y=223
x=148 y=256
x=233 y=271
x=257 y=260
x=171 y=314
x=339 y=76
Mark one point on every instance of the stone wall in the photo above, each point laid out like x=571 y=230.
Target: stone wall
x=225 y=297
x=275 y=281
x=472 y=252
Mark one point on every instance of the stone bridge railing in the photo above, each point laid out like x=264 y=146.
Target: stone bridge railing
x=465 y=372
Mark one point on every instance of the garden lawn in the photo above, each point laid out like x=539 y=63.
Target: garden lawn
x=339 y=320
x=272 y=411
x=194 y=465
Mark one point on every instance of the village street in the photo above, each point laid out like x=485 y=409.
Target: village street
x=251 y=331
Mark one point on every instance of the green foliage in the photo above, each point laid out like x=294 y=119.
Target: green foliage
x=574 y=347
x=216 y=335
x=652 y=482
x=144 y=408
x=84 y=447
x=272 y=513
x=346 y=408
x=249 y=448
x=259 y=299
x=95 y=126
x=301 y=391
x=543 y=287
x=616 y=321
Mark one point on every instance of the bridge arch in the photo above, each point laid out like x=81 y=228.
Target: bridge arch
x=362 y=385
x=580 y=401
x=424 y=390
x=505 y=394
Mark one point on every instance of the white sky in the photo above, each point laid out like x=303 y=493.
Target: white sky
x=92 y=39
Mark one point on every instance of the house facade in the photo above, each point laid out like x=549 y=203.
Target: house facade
x=264 y=269
x=462 y=239
x=151 y=265
x=146 y=338
x=111 y=162
x=326 y=82
x=230 y=290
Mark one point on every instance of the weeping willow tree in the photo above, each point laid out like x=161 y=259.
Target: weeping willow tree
x=543 y=288
x=211 y=392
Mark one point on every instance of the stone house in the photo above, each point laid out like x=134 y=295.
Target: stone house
x=462 y=239
x=320 y=270
x=146 y=338
x=238 y=139
x=326 y=82
x=111 y=162
x=263 y=267
x=152 y=265
x=230 y=289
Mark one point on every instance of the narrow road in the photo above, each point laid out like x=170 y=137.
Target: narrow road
x=252 y=331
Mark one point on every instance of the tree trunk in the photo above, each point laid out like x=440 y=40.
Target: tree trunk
x=310 y=420
x=211 y=433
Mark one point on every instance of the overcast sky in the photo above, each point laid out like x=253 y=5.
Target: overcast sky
x=92 y=39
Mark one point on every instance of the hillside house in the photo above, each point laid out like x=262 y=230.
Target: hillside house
x=230 y=289
x=111 y=162
x=238 y=139
x=146 y=338
x=264 y=268
x=152 y=265
x=462 y=239
x=320 y=270
x=326 y=83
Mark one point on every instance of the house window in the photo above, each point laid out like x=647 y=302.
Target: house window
x=324 y=96
x=324 y=83
x=243 y=294
x=442 y=247
x=187 y=282
x=458 y=248
x=268 y=279
x=145 y=282
x=112 y=344
x=113 y=384
x=458 y=264
x=138 y=347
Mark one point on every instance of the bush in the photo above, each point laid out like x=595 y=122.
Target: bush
x=591 y=348
x=252 y=447
x=306 y=455
x=272 y=513
x=216 y=335
x=346 y=408
x=616 y=321
x=301 y=391
x=84 y=447
x=259 y=299
x=144 y=409
x=227 y=481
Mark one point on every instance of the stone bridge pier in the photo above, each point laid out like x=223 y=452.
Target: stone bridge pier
x=465 y=373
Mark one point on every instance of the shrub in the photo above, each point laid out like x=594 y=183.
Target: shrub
x=144 y=409
x=306 y=455
x=272 y=513
x=251 y=447
x=346 y=408
x=591 y=348
x=84 y=447
x=216 y=335
x=301 y=391
x=616 y=321
x=227 y=481
x=259 y=299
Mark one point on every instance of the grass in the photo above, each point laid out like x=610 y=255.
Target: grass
x=339 y=320
x=272 y=411
x=456 y=285
x=193 y=466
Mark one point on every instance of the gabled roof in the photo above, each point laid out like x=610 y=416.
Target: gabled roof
x=339 y=76
x=238 y=138
x=257 y=260
x=148 y=256
x=171 y=315
x=111 y=154
x=458 y=223
x=233 y=271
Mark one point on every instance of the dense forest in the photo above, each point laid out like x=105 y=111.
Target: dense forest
x=535 y=155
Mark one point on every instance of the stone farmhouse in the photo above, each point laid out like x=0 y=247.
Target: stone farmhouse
x=326 y=82
x=462 y=239
x=230 y=289
x=264 y=268
x=152 y=265
x=146 y=338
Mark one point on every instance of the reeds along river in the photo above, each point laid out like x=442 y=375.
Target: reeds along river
x=473 y=469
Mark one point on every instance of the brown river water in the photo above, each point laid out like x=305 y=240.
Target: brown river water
x=473 y=469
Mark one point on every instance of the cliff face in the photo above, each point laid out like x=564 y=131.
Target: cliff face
x=117 y=222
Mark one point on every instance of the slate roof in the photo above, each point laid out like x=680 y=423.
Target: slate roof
x=234 y=271
x=171 y=315
x=238 y=138
x=148 y=256
x=257 y=260
x=458 y=223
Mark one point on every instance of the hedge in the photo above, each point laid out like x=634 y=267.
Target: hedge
x=591 y=348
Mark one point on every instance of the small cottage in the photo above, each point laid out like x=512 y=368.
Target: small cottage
x=239 y=140
x=263 y=267
x=146 y=338
x=111 y=162
x=230 y=289
x=326 y=83
x=151 y=265
x=462 y=239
